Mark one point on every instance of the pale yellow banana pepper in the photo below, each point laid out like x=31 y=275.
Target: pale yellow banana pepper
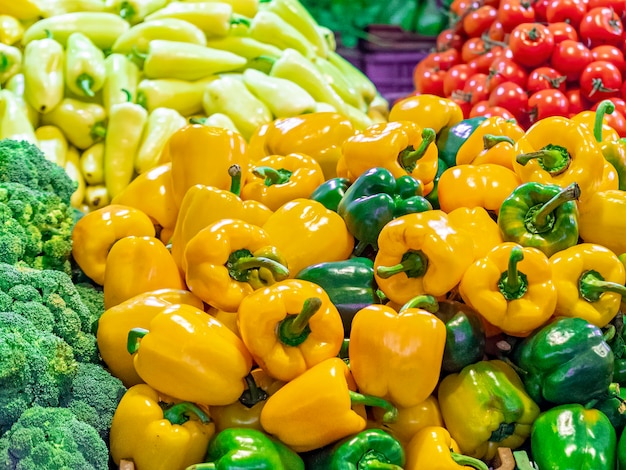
x=134 y=11
x=21 y=9
x=11 y=30
x=139 y=36
x=160 y=126
x=180 y=95
x=121 y=80
x=92 y=164
x=16 y=84
x=72 y=168
x=85 y=70
x=10 y=62
x=14 y=123
x=53 y=144
x=213 y=18
x=82 y=123
x=44 y=78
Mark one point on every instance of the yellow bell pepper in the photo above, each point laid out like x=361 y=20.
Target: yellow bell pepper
x=589 y=282
x=316 y=408
x=187 y=149
x=204 y=205
x=318 y=135
x=421 y=253
x=121 y=80
x=433 y=448
x=157 y=435
x=610 y=177
x=307 y=233
x=560 y=151
x=14 y=122
x=215 y=120
x=138 y=37
x=590 y=118
x=511 y=287
x=426 y=110
x=11 y=29
x=227 y=260
x=92 y=164
x=83 y=123
x=601 y=220
x=289 y=327
x=401 y=147
x=95 y=233
x=136 y=265
x=182 y=96
x=481 y=227
x=486 y=185
x=384 y=365
x=44 y=78
x=53 y=144
x=160 y=126
x=136 y=312
x=189 y=355
x=277 y=179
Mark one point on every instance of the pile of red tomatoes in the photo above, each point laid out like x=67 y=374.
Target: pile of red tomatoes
x=528 y=60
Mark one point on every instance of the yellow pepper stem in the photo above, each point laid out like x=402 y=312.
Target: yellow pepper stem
x=391 y=412
x=540 y=218
x=272 y=175
x=426 y=302
x=134 y=339
x=554 y=159
x=513 y=284
x=413 y=264
x=234 y=171
x=466 y=460
x=490 y=140
x=592 y=285
x=179 y=413
x=98 y=131
x=85 y=82
x=605 y=107
x=253 y=394
x=409 y=156
x=293 y=330
x=241 y=264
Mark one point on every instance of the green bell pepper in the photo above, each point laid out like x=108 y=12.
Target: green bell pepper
x=330 y=192
x=465 y=336
x=565 y=361
x=614 y=407
x=368 y=450
x=450 y=139
x=375 y=198
x=241 y=448
x=542 y=216
x=621 y=452
x=614 y=334
x=349 y=283
x=569 y=437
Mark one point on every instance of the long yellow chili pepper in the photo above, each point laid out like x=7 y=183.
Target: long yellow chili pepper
x=92 y=164
x=85 y=69
x=11 y=30
x=82 y=123
x=180 y=95
x=121 y=80
x=16 y=85
x=72 y=168
x=97 y=197
x=60 y=7
x=44 y=81
x=10 y=61
x=14 y=123
x=139 y=36
x=22 y=10
x=134 y=11
x=245 y=47
x=160 y=126
x=53 y=144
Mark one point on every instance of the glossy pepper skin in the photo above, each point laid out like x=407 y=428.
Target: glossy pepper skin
x=511 y=287
x=621 y=451
x=277 y=179
x=401 y=147
x=83 y=123
x=485 y=407
x=370 y=449
x=315 y=234
x=486 y=185
x=572 y=436
x=95 y=233
x=421 y=253
x=427 y=111
x=330 y=192
x=479 y=224
x=559 y=151
x=542 y=216
x=589 y=281
x=168 y=438
x=349 y=284
x=189 y=355
x=375 y=198
x=566 y=361
x=136 y=312
x=227 y=260
x=451 y=138
x=384 y=364
x=601 y=221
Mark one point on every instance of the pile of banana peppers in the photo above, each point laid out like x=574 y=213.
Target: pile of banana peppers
x=426 y=290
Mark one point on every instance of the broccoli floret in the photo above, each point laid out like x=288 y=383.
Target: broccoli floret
x=52 y=439
x=35 y=228
x=94 y=396
x=36 y=367
x=93 y=297
x=51 y=301
x=23 y=162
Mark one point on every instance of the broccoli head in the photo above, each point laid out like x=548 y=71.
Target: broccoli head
x=23 y=162
x=36 y=367
x=35 y=228
x=53 y=439
x=50 y=300
x=93 y=298
x=94 y=396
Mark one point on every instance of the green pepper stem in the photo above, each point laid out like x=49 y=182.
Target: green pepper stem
x=179 y=413
x=378 y=465
x=134 y=339
x=126 y=11
x=278 y=270
x=293 y=330
x=272 y=175
x=413 y=263
x=129 y=95
x=391 y=412
x=234 y=171
x=490 y=140
x=426 y=302
x=513 y=284
x=4 y=62
x=203 y=466
x=84 y=83
x=253 y=394
x=466 y=460
x=142 y=99
x=605 y=107
x=552 y=158
x=240 y=19
x=569 y=193
x=591 y=285
x=408 y=157
x=345 y=348
x=197 y=120
x=98 y=131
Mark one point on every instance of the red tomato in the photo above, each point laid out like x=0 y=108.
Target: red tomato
x=482 y=62
x=496 y=31
x=477 y=21
x=472 y=48
x=531 y=44
x=465 y=105
x=623 y=90
x=568 y=11
x=599 y=26
x=616 y=120
x=620 y=105
x=570 y=58
x=459 y=7
x=511 y=96
x=545 y=103
x=562 y=31
x=506 y=70
x=540 y=7
x=616 y=5
x=543 y=78
x=491 y=111
x=430 y=82
x=514 y=12
x=610 y=54
x=577 y=103
x=600 y=80
x=477 y=88
x=456 y=78
x=449 y=39
x=479 y=108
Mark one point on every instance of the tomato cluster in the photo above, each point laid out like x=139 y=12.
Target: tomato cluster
x=530 y=59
